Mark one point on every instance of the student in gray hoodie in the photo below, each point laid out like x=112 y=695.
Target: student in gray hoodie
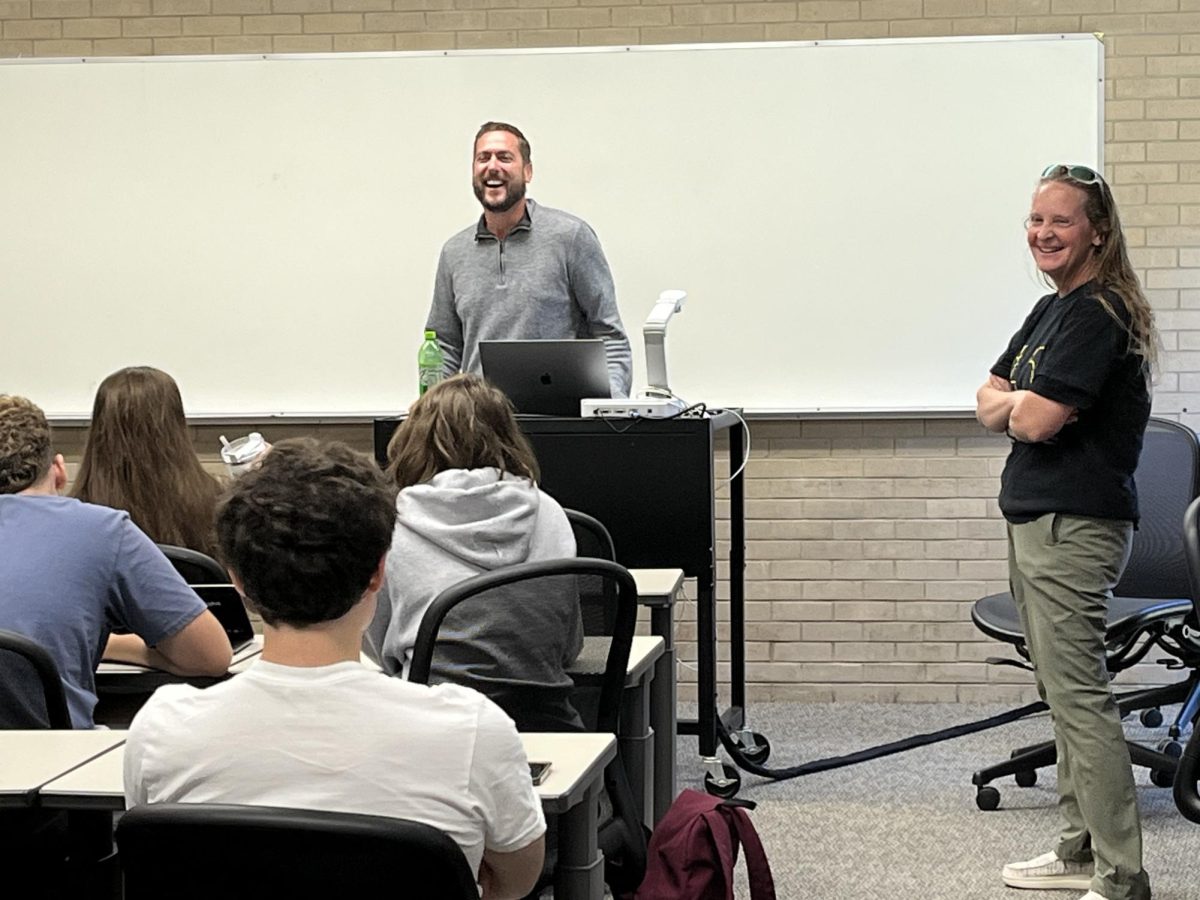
x=469 y=503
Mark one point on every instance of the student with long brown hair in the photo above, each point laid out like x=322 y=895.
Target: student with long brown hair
x=139 y=458
x=469 y=503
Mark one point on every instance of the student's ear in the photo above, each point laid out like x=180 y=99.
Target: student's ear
x=376 y=581
x=528 y=173
x=59 y=467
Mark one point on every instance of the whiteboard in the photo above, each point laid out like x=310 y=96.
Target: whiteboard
x=846 y=217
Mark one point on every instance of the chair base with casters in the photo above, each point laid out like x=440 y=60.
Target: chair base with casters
x=199 y=851
x=1135 y=627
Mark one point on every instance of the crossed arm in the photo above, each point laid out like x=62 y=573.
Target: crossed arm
x=1026 y=416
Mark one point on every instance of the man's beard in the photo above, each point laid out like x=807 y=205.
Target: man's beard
x=514 y=195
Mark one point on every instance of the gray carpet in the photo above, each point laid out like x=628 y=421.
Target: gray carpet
x=906 y=826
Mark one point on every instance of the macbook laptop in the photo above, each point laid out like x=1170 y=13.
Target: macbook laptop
x=547 y=377
x=225 y=603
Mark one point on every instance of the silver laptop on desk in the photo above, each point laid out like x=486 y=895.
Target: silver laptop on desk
x=547 y=377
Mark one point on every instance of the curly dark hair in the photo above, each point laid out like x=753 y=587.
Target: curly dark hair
x=305 y=531
x=25 y=451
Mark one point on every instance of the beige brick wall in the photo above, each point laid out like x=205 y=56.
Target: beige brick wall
x=868 y=540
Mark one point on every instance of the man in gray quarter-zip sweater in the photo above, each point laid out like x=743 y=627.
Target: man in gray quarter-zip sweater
x=523 y=271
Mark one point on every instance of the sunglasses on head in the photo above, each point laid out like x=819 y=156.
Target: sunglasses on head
x=1081 y=174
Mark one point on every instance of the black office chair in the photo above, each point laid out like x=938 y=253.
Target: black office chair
x=194 y=566
x=597 y=596
x=198 y=851
x=1148 y=609
x=622 y=838
x=31 y=691
x=1187 y=777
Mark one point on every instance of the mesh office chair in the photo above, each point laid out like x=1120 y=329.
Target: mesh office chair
x=194 y=566
x=31 y=691
x=198 y=851
x=1187 y=778
x=622 y=838
x=597 y=600
x=1148 y=608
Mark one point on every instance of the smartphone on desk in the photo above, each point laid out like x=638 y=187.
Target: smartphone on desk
x=539 y=771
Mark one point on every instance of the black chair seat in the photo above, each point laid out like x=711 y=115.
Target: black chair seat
x=1128 y=617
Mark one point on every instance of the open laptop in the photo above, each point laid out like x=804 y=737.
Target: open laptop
x=225 y=603
x=547 y=377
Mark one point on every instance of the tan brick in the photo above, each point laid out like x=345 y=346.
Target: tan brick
x=212 y=25
x=613 y=37
x=1145 y=6
x=1173 y=23
x=1157 y=258
x=826 y=10
x=1126 y=88
x=1146 y=131
x=363 y=43
x=1145 y=173
x=164 y=26
x=123 y=47
x=983 y=26
x=549 y=37
x=1079 y=7
x=241 y=7
x=938 y=9
x=91 y=28
x=62 y=48
x=1034 y=24
x=802 y=652
x=272 y=25
x=394 y=21
x=121 y=8
x=32 y=29
x=182 y=46
x=301 y=6
x=242 y=44
x=181 y=7
x=302 y=43
x=1144 y=45
x=893 y=9
x=1152 y=215
x=513 y=19
x=14 y=9
x=857 y=30
x=362 y=6
x=332 y=23
x=15 y=49
x=770 y=12
x=580 y=18
x=61 y=9
x=699 y=14
x=1114 y=24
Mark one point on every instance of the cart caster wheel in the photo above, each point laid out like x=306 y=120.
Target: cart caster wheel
x=987 y=798
x=1170 y=748
x=1161 y=778
x=732 y=784
x=1026 y=778
x=761 y=751
x=1151 y=718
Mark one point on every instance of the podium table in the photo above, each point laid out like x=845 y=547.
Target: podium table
x=652 y=482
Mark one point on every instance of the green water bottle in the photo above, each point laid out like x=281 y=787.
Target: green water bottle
x=429 y=362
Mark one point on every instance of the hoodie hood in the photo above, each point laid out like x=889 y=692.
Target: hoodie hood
x=482 y=516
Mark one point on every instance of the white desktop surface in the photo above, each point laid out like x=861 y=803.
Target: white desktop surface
x=29 y=759
x=656 y=586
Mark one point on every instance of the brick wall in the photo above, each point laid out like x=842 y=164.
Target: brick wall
x=867 y=539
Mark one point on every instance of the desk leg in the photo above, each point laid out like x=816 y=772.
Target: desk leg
x=637 y=740
x=663 y=706
x=579 y=874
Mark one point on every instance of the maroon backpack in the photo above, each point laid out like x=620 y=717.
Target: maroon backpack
x=694 y=849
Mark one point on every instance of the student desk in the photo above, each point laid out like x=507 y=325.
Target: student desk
x=29 y=759
x=577 y=764
x=643 y=711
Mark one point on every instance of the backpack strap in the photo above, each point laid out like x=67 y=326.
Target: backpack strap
x=758 y=868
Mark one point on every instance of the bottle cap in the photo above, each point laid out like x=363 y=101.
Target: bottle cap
x=430 y=335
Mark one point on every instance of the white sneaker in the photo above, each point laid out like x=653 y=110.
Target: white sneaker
x=1092 y=895
x=1047 y=872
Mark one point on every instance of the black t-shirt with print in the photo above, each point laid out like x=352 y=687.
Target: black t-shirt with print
x=1072 y=350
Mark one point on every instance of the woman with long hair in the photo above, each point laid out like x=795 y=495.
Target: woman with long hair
x=139 y=458
x=1072 y=391
x=469 y=503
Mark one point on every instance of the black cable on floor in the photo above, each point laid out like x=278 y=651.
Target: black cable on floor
x=861 y=756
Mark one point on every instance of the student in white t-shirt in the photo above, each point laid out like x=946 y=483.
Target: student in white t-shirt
x=305 y=538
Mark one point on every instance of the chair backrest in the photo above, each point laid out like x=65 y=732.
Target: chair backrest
x=194 y=566
x=1168 y=479
x=617 y=661
x=196 y=851
x=597 y=596
x=31 y=692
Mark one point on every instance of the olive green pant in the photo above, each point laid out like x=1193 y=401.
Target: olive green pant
x=1062 y=570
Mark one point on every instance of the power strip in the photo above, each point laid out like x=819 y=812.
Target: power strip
x=633 y=408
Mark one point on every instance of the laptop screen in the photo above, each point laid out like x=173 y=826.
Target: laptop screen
x=547 y=377
x=225 y=603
